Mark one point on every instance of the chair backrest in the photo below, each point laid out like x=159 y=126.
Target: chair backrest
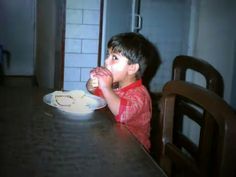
x=214 y=80
x=184 y=110
x=217 y=149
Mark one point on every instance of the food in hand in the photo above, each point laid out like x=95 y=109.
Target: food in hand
x=94 y=81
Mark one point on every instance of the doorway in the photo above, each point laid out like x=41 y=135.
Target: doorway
x=31 y=31
x=17 y=36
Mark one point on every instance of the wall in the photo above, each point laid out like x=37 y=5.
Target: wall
x=166 y=24
x=114 y=21
x=214 y=25
x=81 y=41
x=59 y=44
x=216 y=38
x=233 y=93
x=46 y=37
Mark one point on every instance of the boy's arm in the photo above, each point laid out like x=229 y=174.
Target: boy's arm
x=113 y=101
x=105 y=82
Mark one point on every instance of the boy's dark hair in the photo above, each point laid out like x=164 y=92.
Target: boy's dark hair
x=135 y=47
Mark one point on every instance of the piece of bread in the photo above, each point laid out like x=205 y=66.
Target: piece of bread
x=74 y=101
x=64 y=100
x=77 y=94
x=60 y=98
x=94 y=81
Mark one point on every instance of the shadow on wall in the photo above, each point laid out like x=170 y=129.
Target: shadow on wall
x=233 y=93
x=152 y=65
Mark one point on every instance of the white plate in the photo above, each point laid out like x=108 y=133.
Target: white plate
x=95 y=103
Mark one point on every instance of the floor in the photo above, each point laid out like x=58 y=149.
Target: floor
x=14 y=92
x=17 y=81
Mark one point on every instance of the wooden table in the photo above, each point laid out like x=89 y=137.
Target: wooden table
x=40 y=141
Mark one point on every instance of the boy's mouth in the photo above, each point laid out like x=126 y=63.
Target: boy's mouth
x=108 y=67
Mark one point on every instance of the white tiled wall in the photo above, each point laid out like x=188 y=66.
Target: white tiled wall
x=81 y=41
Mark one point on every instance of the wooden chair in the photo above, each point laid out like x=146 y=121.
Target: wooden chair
x=183 y=63
x=216 y=152
x=214 y=82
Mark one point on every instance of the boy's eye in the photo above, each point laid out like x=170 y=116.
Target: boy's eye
x=114 y=57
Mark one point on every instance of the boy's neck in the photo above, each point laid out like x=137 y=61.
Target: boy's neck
x=125 y=83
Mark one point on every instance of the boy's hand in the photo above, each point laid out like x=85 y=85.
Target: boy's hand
x=104 y=77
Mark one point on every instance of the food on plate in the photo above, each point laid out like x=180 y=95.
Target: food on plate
x=64 y=100
x=74 y=101
x=82 y=105
x=60 y=98
x=77 y=94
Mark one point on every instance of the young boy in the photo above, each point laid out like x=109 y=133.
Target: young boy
x=119 y=82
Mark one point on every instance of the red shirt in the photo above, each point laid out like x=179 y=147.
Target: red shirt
x=135 y=110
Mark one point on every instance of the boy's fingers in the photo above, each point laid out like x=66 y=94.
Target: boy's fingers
x=100 y=71
x=103 y=71
x=93 y=71
x=106 y=73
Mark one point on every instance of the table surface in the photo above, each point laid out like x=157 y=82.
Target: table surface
x=38 y=140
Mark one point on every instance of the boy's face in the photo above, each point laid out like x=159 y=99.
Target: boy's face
x=118 y=65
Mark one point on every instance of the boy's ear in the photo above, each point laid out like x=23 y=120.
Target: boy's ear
x=133 y=68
